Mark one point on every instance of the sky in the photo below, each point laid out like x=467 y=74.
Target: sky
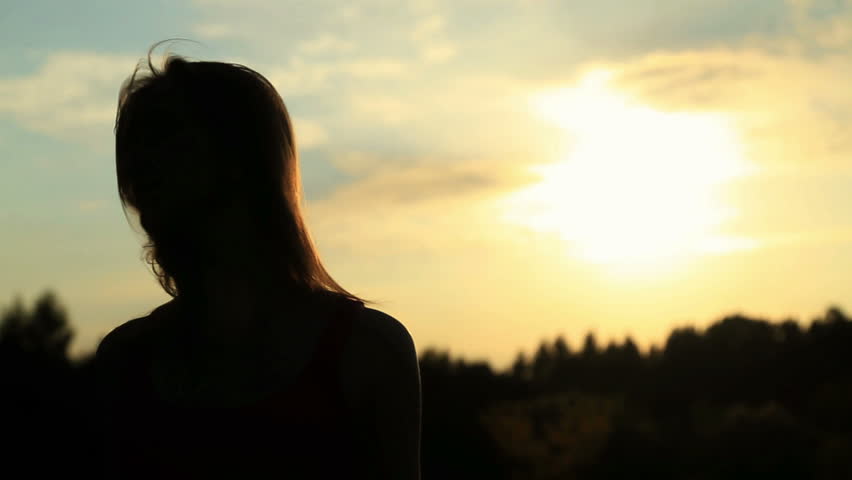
x=491 y=172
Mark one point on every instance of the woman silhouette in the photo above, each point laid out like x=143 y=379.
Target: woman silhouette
x=261 y=365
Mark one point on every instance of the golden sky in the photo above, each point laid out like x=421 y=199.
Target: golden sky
x=492 y=173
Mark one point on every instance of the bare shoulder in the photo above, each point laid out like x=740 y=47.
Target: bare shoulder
x=383 y=390
x=128 y=334
x=380 y=350
x=382 y=331
x=120 y=337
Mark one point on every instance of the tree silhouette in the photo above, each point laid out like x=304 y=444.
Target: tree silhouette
x=590 y=346
x=44 y=331
x=44 y=399
x=542 y=366
x=743 y=398
x=560 y=349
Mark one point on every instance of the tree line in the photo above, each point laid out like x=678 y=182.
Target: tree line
x=742 y=398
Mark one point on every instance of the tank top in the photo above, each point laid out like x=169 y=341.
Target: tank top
x=297 y=431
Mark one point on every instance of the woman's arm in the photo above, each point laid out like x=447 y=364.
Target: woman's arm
x=388 y=408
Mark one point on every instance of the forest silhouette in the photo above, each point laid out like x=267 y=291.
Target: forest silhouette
x=743 y=398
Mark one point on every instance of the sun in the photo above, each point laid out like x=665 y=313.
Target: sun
x=639 y=186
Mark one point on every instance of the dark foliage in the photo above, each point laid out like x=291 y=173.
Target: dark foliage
x=744 y=398
x=46 y=419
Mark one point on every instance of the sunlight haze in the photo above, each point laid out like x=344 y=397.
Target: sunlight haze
x=637 y=186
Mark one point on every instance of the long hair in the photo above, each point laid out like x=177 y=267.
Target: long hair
x=199 y=143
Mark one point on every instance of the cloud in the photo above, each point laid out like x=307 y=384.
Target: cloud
x=304 y=77
x=90 y=205
x=427 y=28
x=214 y=31
x=408 y=205
x=372 y=67
x=791 y=108
x=457 y=114
x=786 y=95
x=309 y=134
x=438 y=53
x=384 y=109
x=72 y=95
x=299 y=77
x=826 y=24
x=430 y=37
x=326 y=43
x=235 y=3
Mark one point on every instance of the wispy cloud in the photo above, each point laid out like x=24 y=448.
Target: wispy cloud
x=427 y=28
x=326 y=43
x=439 y=52
x=792 y=108
x=383 y=109
x=90 y=205
x=72 y=95
x=303 y=77
x=414 y=204
x=215 y=31
x=826 y=24
x=309 y=134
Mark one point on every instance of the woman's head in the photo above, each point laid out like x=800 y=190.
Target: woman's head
x=205 y=155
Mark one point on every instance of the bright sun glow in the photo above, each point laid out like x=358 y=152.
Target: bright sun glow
x=639 y=187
